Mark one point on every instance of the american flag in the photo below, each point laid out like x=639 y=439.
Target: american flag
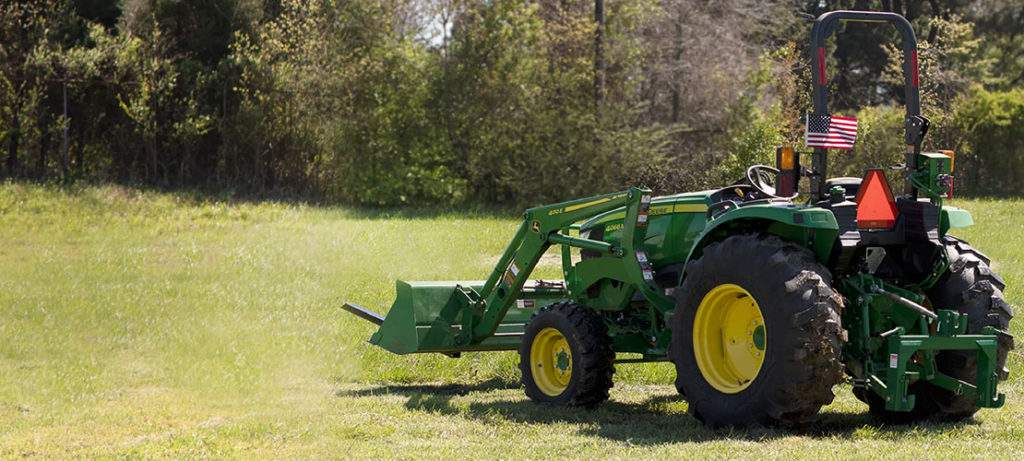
x=830 y=132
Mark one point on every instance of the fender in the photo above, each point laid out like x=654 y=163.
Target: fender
x=954 y=218
x=811 y=227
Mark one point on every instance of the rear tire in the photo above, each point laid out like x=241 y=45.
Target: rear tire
x=924 y=407
x=566 y=356
x=969 y=287
x=801 y=336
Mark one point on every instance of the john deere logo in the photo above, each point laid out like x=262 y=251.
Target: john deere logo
x=535 y=226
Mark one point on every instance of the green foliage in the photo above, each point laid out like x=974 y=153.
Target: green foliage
x=461 y=101
x=756 y=132
x=501 y=112
x=144 y=93
x=987 y=129
x=994 y=160
x=754 y=144
x=948 y=66
x=998 y=24
x=879 y=144
x=524 y=125
x=488 y=93
x=353 y=101
x=981 y=126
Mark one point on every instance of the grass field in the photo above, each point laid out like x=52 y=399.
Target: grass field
x=137 y=324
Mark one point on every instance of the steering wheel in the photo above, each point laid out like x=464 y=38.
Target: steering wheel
x=762 y=178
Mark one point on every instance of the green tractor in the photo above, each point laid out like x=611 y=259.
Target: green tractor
x=762 y=303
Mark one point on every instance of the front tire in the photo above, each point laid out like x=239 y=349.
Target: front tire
x=566 y=356
x=756 y=335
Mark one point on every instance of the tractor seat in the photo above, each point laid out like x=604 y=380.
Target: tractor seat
x=851 y=184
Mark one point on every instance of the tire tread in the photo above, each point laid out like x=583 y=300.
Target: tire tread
x=594 y=362
x=804 y=384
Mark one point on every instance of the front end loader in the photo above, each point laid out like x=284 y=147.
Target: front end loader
x=763 y=303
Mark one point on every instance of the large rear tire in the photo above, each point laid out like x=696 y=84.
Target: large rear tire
x=924 y=407
x=566 y=356
x=969 y=287
x=756 y=335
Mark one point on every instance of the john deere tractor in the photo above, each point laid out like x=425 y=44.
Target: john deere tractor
x=764 y=302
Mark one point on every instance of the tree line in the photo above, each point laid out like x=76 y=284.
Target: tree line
x=483 y=101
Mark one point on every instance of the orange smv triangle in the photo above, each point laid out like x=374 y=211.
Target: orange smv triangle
x=875 y=206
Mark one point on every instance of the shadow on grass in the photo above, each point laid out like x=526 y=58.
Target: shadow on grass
x=649 y=422
x=450 y=390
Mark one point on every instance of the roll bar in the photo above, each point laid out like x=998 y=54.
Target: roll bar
x=916 y=125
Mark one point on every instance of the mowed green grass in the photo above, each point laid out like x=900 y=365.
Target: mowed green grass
x=137 y=324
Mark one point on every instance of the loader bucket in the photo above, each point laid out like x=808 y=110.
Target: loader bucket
x=427 y=317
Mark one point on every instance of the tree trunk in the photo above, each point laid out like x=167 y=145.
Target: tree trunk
x=44 y=143
x=12 y=146
x=80 y=142
x=599 y=51
x=154 y=158
x=676 y=77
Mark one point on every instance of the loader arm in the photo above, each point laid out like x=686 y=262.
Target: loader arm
x=458 y=316
x=547 y=225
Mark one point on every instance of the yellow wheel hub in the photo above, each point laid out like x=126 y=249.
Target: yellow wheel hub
x=729 y=338
x=551 y=362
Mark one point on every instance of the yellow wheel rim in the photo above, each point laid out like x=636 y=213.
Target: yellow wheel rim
x=551 y=362
x=729 y=338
